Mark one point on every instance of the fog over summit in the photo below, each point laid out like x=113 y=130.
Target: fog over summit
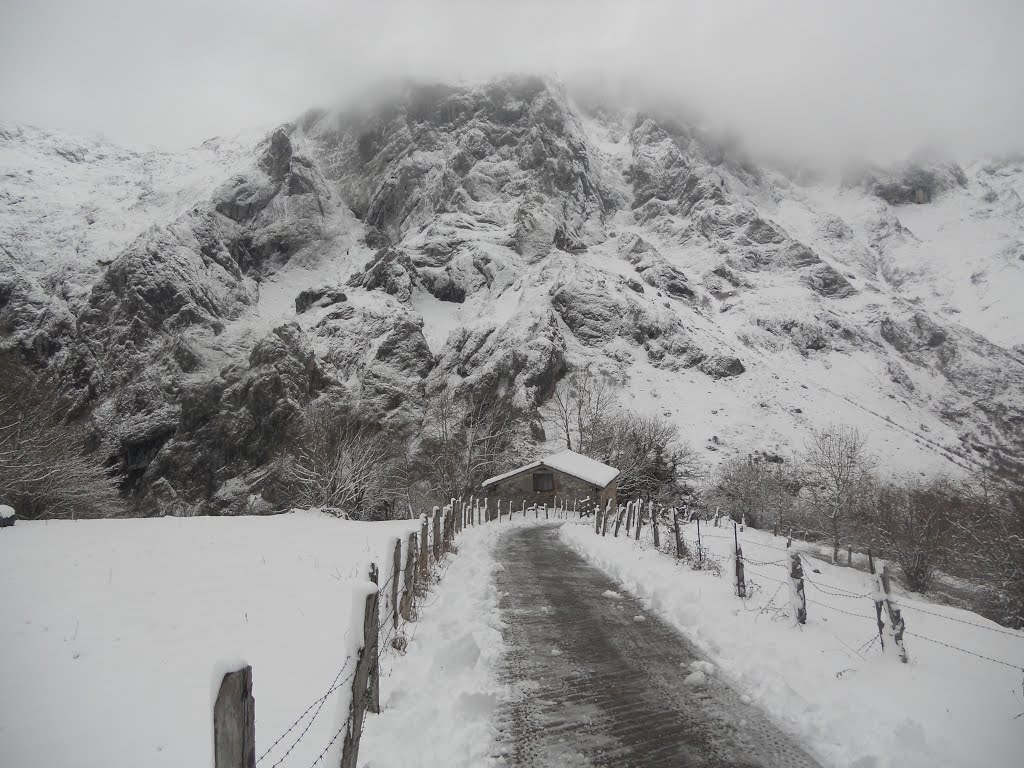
x=821 y=81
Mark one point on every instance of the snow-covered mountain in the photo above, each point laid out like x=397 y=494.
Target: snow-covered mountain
x=493 y=236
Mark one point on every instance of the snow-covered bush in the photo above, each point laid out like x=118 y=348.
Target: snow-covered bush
x=44 y=469
x=336 y=460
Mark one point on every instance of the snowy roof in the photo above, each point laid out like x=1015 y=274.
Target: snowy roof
x=569 y=462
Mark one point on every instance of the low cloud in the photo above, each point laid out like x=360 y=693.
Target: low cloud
x=824 y=80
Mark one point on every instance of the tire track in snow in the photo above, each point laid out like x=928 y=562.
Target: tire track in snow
x=593 y=686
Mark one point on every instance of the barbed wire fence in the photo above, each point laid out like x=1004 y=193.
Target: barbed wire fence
x=640 y=521
x=391 y=606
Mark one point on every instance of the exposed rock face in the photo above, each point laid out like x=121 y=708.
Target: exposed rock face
x=911 y=183
x=483 y=238
x=511 y=155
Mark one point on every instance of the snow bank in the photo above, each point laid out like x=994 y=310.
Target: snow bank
x=827 y=682
x=6 y=512
x=438 y=700
x=114 y=631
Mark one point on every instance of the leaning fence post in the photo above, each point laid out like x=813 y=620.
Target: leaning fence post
x=371 y=638
x=234 y=721
x=607 y=514
x=741 y=584
x=796 y=587
x=618 y=520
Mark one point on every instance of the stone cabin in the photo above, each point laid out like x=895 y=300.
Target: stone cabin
x=568 y=476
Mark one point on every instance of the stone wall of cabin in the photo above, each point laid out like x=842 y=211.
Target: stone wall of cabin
x=518 y=489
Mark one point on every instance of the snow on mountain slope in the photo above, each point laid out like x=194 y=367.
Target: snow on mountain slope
x=491 y=237
x=72 y=203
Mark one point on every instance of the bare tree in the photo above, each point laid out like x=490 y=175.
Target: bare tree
x=340 y=462
x=583 y=411
x=836 y=467
x=466 y=440
x=654 y=463
x=913 y=522
x=761 y=492
x=990 y=544
x=44 y=470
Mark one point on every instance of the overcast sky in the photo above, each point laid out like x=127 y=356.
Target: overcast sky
x=822 y=76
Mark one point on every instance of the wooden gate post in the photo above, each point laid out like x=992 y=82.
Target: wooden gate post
x=741 y=584
x=234 y=722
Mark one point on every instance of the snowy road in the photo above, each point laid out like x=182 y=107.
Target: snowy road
x=598 y=680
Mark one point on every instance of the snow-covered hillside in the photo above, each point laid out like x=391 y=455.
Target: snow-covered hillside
x=493 y=236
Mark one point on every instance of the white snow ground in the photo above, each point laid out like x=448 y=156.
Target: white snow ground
x=826 y=682
x=112 y=632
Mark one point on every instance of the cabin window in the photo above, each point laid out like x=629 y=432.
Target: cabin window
x=543 y=481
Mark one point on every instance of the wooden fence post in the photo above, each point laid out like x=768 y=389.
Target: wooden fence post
x=896 y=624
x=365 y=684
x=424 y=551
x=607 y=514
x=410 y=578
x=741 y=584
x=396 y=576
x=436 y=530
x=654 y=524
x=597 y=519
x=700 y=551
x=618 y=520
x=679 y=536
x=796 y=585
x=789 y=541
x=639 y=518
x=234 y=722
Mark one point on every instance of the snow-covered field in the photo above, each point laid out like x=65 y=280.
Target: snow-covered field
x=112 y=632
x=827 y=682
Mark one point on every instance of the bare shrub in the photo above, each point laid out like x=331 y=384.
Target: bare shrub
x=761 y=492
x=338 y=461
x=44 y=470
x=913 y=522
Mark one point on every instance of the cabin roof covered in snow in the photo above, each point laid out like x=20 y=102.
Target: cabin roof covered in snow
x=569 y=462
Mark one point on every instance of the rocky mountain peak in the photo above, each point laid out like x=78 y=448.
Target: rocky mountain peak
x=492 y=237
